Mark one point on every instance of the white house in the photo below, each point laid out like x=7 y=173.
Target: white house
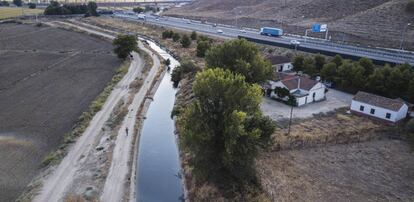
x=305 y=90
x=280 y=63
x=391 y=110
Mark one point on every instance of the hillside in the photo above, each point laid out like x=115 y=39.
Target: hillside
x=369 y=22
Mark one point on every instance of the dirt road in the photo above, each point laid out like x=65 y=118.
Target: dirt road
x=56 y=185
x=114 y=185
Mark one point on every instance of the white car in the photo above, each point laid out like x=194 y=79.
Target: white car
x=220 y=31
x=294 y=42
x=243 y=31
x=189 y=22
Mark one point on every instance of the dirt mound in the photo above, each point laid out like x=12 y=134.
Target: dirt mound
x=367 y=22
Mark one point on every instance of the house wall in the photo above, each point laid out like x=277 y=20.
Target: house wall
x=318 y=89
x=285 y=67
x=379 y=111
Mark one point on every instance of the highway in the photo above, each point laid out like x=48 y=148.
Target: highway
x=306 y=44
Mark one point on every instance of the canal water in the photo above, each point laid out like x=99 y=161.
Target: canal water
x=158 y=172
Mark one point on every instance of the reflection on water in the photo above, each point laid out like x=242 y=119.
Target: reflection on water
x=159 y=177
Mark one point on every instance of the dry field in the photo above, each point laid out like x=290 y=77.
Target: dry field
x=48 y=77
x=370 y=171
x=11 y=12
x=370 y=22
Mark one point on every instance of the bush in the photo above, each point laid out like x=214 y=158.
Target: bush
x=18 y=3
x=176 y=37
x=410 y=7
x=193 y=35
x=32 y=5
x=167 y=34
x=185 y=41
x=202 y=47
x=281 y=92
x=138 y=10
x=92 y=6
x=180 y=71
x=4 y=3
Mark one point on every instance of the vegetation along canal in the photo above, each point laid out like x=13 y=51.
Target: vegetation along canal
x=158 y=158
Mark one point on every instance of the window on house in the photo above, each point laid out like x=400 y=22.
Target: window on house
x=388 y=115
x=361 y=108
x=372 y=111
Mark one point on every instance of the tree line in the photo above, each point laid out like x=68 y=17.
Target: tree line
x=354 y=76
x=55 y=8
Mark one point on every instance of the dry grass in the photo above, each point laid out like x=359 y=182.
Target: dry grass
x=333 y=128
x=11 y=12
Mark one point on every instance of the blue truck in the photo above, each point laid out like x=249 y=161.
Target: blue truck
x=270 y=31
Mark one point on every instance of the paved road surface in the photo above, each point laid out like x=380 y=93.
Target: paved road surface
x=391 y=56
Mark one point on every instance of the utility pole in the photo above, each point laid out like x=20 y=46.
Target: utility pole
x=403 y=35
x=290 y=120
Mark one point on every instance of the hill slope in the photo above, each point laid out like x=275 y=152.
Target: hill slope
x=370 y=22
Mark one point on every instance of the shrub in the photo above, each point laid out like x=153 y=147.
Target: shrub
x=92 y=6
x=185 y=41
x=202 y=47
x=180 y=71
x=193 y=35
x=138 y=10
x=18 y=3
x=281 y=92
x=31 y=5
x=176 y=37
x=4 y=3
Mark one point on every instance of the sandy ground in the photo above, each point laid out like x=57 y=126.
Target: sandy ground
x=279 y=111
x=370 y=171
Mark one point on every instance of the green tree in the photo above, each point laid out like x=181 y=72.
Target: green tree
x=375 y=82
x=92 y=6
x=319 y=61
x=281 y=92
x=179 y=72
x=185 y=41
x=367 y=64
x=240 y=56
x=124 y=45
x=138 y=10
x=298 y=63
x=202 y=47
x=309 y=66
x=18 y=3
x=223 y=128
x=176 y=36
x=194 y=35
x=329 y=71
x=338 y=60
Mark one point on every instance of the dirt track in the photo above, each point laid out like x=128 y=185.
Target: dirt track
x=48 y=77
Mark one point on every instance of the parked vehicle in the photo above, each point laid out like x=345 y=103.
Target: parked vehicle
x=271 y=31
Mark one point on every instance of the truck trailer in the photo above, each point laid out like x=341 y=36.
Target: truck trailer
x=271 y=31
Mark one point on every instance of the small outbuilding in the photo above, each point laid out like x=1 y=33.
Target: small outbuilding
x=280 y=63
x=379 y=107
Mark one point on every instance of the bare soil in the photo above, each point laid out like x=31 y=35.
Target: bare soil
x=48 y=77
x=368 y=22
x=370 y=171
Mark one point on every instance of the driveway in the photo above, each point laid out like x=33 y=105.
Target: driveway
x=278 y=111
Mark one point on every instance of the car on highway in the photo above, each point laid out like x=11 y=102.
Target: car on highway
x=294 y=42
x=220 y=31
x=189 y=22
x=243 y=31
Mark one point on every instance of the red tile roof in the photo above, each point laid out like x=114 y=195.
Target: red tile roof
x=300 y=82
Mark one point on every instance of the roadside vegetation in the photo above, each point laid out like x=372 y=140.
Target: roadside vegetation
x=86 y=117
x=55 y=8
x=18 y=3
x=353 y=76
x=410 y=7
x=124 y=45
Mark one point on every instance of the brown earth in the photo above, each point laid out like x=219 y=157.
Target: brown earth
x=48 y=77
x=368 y=22
x=370 y=171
